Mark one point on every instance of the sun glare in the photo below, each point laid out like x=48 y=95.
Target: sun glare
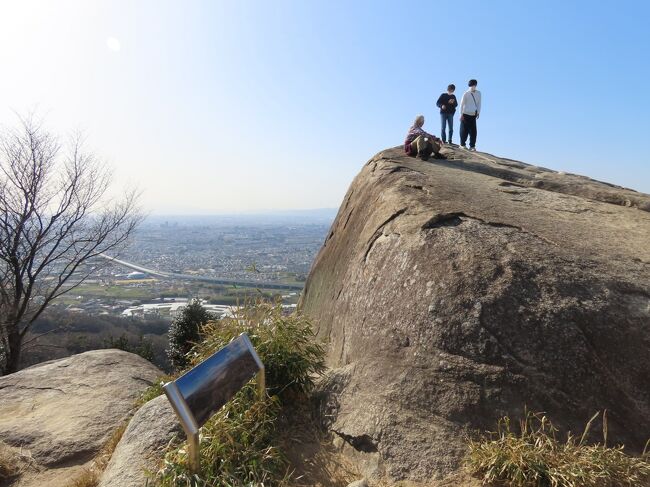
x=113 y=44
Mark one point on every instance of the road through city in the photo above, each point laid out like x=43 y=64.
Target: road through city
x=208 y=279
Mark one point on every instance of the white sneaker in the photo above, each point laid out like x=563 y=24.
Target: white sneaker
x=472 y=149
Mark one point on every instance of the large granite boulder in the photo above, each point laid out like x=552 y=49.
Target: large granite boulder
x=453 y=292
x=140 y=451
x=60 y=413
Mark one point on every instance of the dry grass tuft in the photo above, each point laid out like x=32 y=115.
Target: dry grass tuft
x=13 y=462
x=533 y=457
x=153 y=391
x=89 y=476
x=241 y=444
x=9 y=462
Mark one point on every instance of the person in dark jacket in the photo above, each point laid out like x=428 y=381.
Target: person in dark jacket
x=420 y=143
x=447 y=103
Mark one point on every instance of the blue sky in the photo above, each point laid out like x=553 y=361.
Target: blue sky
x=245 y=105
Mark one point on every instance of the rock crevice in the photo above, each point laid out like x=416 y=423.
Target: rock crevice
x=448 y=301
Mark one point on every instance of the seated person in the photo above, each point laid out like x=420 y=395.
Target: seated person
x=421 y=144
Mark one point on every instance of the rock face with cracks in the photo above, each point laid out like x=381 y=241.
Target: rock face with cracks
x=61 y=413
x=451 y=293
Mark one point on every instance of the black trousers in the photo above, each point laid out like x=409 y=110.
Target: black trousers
x=468 y=127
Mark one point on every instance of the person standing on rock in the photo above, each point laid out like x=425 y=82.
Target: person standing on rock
x=447 y=103
x=470 y=109
x=420 y=143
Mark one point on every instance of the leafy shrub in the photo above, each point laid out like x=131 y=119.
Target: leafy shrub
x=535 y=458
x=142 y=347
x=283 y=342
x=240 y=445
x=237 y=447
x=184 y=332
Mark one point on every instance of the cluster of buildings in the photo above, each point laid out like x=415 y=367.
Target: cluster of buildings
x=244 y=255
x=172 y=308
x=257 y=253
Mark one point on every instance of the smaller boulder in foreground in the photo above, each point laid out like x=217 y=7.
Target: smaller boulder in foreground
x=143 y=445
x=60 y=413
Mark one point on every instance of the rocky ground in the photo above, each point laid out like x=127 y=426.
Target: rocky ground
x=452 y=292
x=449 y=293
x=56 y=416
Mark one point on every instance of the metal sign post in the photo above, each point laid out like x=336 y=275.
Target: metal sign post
x=203 y=390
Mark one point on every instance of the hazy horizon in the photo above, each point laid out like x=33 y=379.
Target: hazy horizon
x=319 y=216
x=252 y=211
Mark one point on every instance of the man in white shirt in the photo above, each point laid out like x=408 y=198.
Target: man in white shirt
x=470 y=109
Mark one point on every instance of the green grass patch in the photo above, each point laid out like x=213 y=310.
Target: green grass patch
x=238 y=447
x=241 y=445
x=534 y=457
x=110 y=292
x=153 y=391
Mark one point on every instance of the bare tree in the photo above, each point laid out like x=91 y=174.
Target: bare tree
x=54 y=218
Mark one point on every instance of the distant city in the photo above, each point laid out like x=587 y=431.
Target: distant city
x=248 y=248
x=222 y=259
